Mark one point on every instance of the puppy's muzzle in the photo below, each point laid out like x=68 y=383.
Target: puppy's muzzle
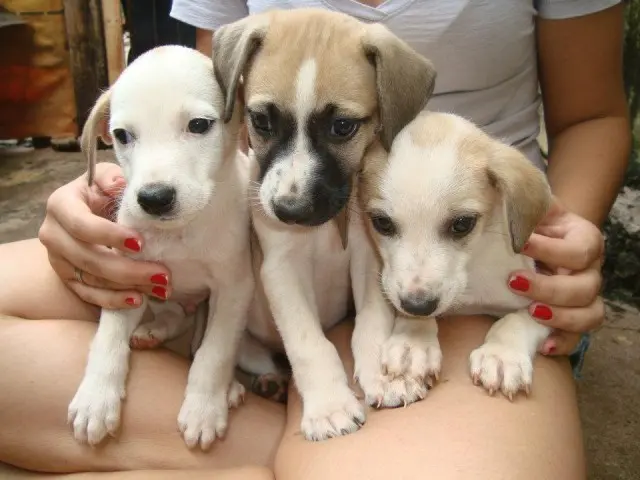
x=157 y=198
x=419 y=303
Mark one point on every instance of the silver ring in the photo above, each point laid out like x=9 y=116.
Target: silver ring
x=78 y=274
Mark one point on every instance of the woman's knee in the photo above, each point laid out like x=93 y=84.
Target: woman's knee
x=32 y=290
x=458 y=431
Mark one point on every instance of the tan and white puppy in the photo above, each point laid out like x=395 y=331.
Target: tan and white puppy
x=449 y=211
x=186 y=195
x=319 y=88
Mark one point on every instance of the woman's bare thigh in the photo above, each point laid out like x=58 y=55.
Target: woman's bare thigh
x=458 y=431
x=43 y=362
x=245 y=473
x=31 y=289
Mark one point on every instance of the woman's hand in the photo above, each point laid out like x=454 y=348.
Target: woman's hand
x=565 y=292
x=76 y=232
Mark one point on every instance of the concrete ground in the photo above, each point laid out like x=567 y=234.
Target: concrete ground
x=609 y=392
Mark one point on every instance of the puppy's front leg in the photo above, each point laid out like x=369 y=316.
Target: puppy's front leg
x=330 y=408
x=505 y=361
x=374 y=317
x=393 y=367
x=95 y=408
x=413 y=353
x=211 y=387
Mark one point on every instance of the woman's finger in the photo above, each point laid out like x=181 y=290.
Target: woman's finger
x=577 y=320
x=108 y=177
x=110 y=299
x=101 y=262
x=76 y=218
x=67 y=272
x=575 y=255
x=560 y=343
x=577 y=290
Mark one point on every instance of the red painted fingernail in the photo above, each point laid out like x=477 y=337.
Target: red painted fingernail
x=160 y=279
x=133 y=244
x=542 y=312
x=518 y=283
x=160 y=292
x=130 y=301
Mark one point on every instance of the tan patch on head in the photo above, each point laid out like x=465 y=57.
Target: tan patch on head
x=375 y=164
x=344 y=76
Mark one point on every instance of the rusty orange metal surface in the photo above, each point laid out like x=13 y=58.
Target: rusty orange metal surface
x=36 y=84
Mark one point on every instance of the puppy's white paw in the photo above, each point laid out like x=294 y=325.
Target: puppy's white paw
x=383 y=391
x=203 y=417
x=410 y=356
x=94 y=411
x=331 y=413
x=501 y=367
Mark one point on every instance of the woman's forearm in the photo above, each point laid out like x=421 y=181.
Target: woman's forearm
x=204 y=41
x=587 y=163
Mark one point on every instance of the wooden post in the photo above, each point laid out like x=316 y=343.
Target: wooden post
x=87 y=53
x=112 y=17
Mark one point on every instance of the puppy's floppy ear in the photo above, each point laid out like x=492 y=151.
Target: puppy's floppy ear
x=233 y=47
x=405 y=80
x=525 y=192
x=97 y=125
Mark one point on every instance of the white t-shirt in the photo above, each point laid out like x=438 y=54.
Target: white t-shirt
x=484 y=51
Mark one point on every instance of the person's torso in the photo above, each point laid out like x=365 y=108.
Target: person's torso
x=483 y=50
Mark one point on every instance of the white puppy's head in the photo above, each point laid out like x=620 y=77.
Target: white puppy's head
x=445 y=184
x=163 y=117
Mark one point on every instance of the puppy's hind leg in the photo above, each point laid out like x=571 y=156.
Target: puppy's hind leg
x=269 y=378
x=94 y=411
x=169 y=322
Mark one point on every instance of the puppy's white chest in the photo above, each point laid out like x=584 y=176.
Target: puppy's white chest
x=190 y=264
x=487 y=289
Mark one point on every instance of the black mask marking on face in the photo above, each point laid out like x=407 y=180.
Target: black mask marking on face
x=329 y=185
x=281 y=135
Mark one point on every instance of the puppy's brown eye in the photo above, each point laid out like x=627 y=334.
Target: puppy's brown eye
x=462 y=226
x=344 y=128
x=122 y=136
x=199 y=125
x=383 y=225
x=261 y=123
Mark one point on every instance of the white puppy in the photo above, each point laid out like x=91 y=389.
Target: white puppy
x=186 y=195
x=449 y=210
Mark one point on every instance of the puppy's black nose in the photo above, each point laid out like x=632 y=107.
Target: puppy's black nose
x=156 y=198
x=291 y=210
x=419 y=304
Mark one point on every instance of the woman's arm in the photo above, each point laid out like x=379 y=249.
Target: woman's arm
x=580 y=62
x=204 y=41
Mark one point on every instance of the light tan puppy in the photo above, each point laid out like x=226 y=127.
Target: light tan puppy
x=319 y=88
x=449 y=210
